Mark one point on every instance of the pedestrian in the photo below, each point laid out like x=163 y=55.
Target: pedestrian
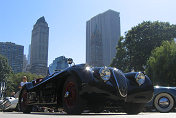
x=12 y=94
x=24 y=81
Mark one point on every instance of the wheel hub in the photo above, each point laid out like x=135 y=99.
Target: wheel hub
x=70 y=94
x=164 y=102
x=66 y=94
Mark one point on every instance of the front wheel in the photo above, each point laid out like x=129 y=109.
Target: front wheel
x=164 y=102
x=23 y=102
x=72 y=102
x=133 y=108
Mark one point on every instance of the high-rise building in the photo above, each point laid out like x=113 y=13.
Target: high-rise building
x=14 y=54
x=25 y=61
x=102 y=35
x=59 y=63
x=39 y=47
x=29 y=55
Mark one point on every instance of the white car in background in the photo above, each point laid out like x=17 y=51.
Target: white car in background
x=1 y=101
x=9 y=104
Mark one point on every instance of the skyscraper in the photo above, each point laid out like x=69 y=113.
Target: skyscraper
x=14 y=55
x=25 y=63
x=102 y=35
x=29 y=55
x=39 y=47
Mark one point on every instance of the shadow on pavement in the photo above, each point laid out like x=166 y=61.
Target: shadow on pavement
x=83 y=114
x=80 y=114
x=56 y=113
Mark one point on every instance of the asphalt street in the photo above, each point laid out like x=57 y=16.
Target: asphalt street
x=88 y=115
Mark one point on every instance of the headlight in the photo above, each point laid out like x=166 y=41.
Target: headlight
x=140 y=78
x=105 y=73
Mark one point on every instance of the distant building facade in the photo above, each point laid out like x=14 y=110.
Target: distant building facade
x=102 y=35
x=59 y=63
x=29 y=55
x=14 y=54
x=25 y=63
x=39 y=47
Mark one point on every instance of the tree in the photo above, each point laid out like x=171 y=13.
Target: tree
x=139 y=42
x=5 y=69
x=120 y=60
x=161 y=66
x=13 y=81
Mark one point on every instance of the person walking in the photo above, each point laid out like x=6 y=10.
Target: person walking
x=24 y=81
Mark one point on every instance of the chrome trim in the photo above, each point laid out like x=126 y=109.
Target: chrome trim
x=164 y=102
x=140 y=78
x=117 y=83
x=66 y=94
x=105 y=76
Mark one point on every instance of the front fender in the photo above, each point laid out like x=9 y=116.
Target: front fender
x=136 y=93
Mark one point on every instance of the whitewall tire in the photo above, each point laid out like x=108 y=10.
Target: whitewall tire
x=164 y=102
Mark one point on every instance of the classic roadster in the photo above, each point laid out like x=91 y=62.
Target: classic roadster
x=163 y=100
x=81 y=88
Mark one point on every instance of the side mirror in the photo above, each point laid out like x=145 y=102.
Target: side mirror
x=69 y=60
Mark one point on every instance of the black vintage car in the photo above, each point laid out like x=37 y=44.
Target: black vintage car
x=83 y=88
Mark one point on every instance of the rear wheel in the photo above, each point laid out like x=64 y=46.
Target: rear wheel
x=164 y=102
x=72 y=101
x=23 y=102
x=133 y=108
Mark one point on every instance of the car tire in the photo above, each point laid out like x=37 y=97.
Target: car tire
x=133 y=108
x=17 y=108
x=164 y=102
x=23 y=102
x=71 y=99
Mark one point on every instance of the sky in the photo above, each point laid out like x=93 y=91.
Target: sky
x=67 y=21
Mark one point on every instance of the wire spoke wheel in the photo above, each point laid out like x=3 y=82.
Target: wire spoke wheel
x=72 y=101
x=70 y=95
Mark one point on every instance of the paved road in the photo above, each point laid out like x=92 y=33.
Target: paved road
x=102 y=115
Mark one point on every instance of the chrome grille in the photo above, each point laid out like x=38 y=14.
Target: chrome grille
x=121 y=82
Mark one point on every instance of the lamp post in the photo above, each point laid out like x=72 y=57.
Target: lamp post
x=2 y=89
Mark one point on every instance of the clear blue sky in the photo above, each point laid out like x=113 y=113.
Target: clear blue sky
x=67 y=20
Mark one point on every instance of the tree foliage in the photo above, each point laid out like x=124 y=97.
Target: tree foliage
x=135 y=49
x=121 y=58
x=161 y=66
x=5 y=69
x=14 y=80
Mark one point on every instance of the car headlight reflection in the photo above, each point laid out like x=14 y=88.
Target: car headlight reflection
x=88 y=68
x=105 y=73
x=140 y=78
